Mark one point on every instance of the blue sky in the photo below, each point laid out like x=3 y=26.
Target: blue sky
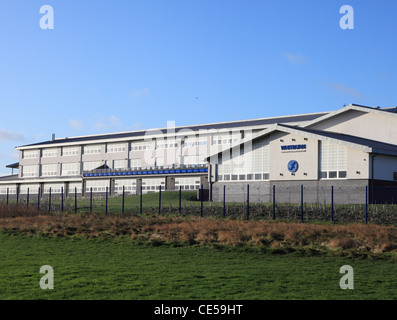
x=110 y=66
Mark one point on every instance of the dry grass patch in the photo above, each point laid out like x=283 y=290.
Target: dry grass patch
x=367 y=237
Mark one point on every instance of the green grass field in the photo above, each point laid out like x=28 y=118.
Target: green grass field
x=120 y=269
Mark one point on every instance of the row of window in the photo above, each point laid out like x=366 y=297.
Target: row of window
x=71 y=169
x=49 y=170
x=243 y=177
x=102 y=186
x=333 y=175
x=196 y=143
x=97 y=149
x=167 y=145
x=54 y=188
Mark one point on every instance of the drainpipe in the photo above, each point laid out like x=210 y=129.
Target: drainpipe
x=372 y=177
x=210 y=181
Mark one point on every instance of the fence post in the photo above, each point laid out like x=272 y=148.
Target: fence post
x=140 y=202
x=122 y=206
x=62 y=199
x=106 y=202
x=160 y=200
x=201 y=199
x=302 y=202
x=27 y=200
x=38 y=199
x=17 y=195
x=332 y=203
x=274 y=202
x=180 y=199
x=248 y=201
x=7 y=196
x=91 y=200
x=366 y=204
x=75 y=199
x=49 y=201
x=224 y=201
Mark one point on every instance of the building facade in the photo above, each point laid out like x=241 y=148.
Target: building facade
x=350 y=150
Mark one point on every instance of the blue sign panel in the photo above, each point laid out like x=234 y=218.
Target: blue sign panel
x=294 y=147
x=293 y=166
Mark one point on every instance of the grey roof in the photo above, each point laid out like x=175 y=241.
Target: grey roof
x=13 y=166
x=389 y=110
x=216 y=126
x=386 y=109
x=368 y=145
x=9 y=178
x=379 y=146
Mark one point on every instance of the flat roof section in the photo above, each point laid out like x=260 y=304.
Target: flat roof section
x=13 y=166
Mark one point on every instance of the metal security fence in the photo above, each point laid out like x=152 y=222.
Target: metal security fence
x=298 y=203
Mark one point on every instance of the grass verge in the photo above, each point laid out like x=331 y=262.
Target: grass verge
x=107 y=269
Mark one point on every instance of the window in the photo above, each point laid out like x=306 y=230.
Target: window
x=265 y=176
x=75 y=187
x=33 y=188
x=119 y=164
x=97 y=185
x=12 y=189
x=128 y=184
x=187 y=183
x=194 y=142
x=30 y=154
x=153 y=184
x=53 y=187
x=70 y=151
x=29 y=171
x=136 y=164
x=116 y=147
x=225 y=138
x=70 y=169
x=96 y=149
x=333 y=161
x=167 y=145
x=50 y=153
x=48 y=170
x=333 y=174
x=140 y=146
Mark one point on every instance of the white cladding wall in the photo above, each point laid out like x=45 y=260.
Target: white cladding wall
x=72 y=160
x=248 y=163
x=317 y=159
x=307 y=158
x=382 y=125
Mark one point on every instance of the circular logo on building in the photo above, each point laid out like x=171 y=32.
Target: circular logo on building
x=293 y=166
